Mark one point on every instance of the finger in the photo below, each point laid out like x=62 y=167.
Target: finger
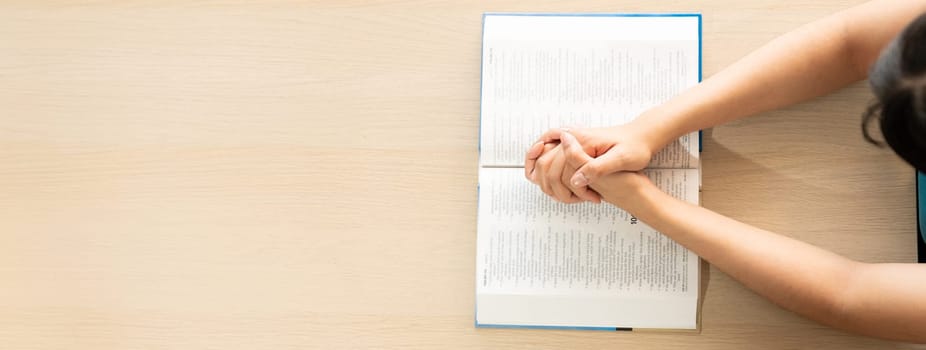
x=542 y=167
x=583 y=193
x=533 y=153
x=612 y=161
x=554 y=175
x=538 y=148
x=575 y=156
x=554 y=134
x=573 y=199
x=571 y=150
x=564 y=178
x=534 y=175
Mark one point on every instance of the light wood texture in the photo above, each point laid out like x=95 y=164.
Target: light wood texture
x=302 y=174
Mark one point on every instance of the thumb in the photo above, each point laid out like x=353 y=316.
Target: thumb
x=576 y=158
x=611 y=161
x=575 y=155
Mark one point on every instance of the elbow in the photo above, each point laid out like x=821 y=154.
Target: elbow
x=842 y=302
x=857 y=308
x=845 y=300
x=864 y=306
x=853 y=49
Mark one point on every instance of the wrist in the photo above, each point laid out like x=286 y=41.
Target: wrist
x=657 y=127
x=642 y=200
x=631 y=191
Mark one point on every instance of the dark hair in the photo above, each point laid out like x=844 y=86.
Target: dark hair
x=898 y=79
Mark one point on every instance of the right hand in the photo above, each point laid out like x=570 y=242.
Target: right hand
x=614 y=149
x=622 y=188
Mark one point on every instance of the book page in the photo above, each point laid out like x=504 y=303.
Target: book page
x=540 y=262
x=529 y=243
x=544 y=263
x=578 y=78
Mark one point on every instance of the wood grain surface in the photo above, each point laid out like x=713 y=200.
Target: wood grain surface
x=302 y=175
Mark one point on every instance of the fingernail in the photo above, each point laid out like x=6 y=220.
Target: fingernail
x=566 y=138
x=579 y=180
x=533 y=152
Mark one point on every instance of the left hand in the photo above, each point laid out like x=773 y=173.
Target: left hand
x=551 y=172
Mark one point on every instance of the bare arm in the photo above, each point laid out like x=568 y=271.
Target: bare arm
x=810 y=61
x=813 y=60
x=881 y=300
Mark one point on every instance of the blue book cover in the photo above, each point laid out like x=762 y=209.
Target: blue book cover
x=921 y=217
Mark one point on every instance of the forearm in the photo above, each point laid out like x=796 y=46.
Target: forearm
x=875 y=299
x=810 y=61
x=791 y=273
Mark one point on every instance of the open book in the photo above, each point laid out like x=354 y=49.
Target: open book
x=544 y=264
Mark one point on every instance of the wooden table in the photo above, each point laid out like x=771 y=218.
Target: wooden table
x=302 y=174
